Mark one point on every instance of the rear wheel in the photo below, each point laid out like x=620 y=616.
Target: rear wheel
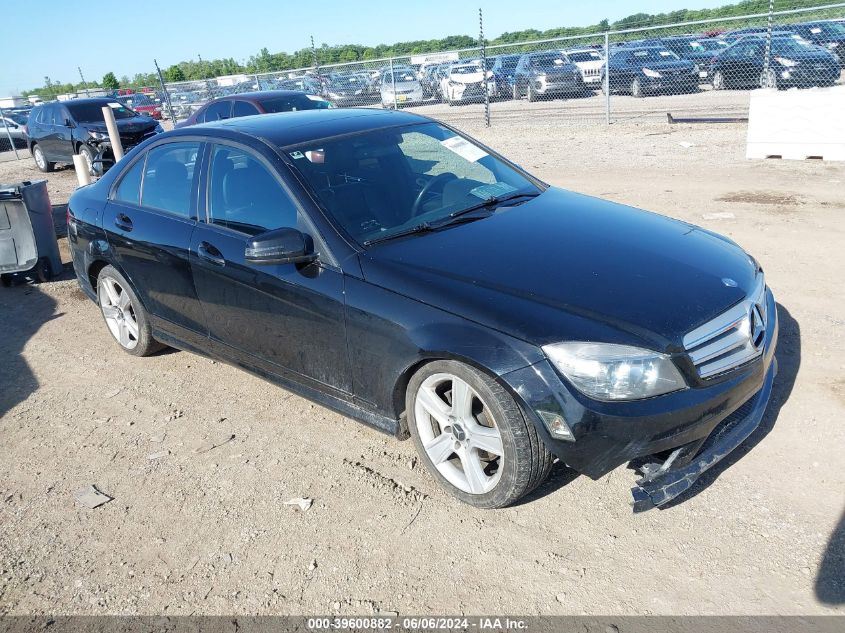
x=124 y=315
x=43 y=270
x=532 y=96
x=516 y=94
x=40 y=160
x=472 y=436
x=719 y=81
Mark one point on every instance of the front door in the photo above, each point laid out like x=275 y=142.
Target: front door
x=149 y=221
x=285 y=319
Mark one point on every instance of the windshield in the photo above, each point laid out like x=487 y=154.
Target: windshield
x=93 y=112
x=17 y=117
x=697 y=46
x=384 y=182
x=786 y=45
x=585 y=56
x=509 y=62
x=830 y=29
x=653 y=55
x=399 y=75
x=468 y=69
x=549 y=60
x=293 y=103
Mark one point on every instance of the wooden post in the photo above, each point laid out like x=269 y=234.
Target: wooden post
x=114 y=136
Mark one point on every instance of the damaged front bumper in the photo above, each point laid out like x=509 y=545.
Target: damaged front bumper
x=678 y=436
x=683 y=466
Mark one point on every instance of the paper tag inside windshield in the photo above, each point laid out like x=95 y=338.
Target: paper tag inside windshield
x=492 y=191
x=314 y=97
x=464 y=148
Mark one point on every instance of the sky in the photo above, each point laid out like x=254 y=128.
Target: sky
x=68 y=35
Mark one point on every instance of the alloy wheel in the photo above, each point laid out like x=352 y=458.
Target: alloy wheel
x=459 y=434
x=118 y=311
x=718 y=81
x=38 y=155
x=768 y=79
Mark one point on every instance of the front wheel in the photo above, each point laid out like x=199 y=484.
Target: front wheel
x=769 y=79
x=532 y=96
x=636 y=88
x=516 y=94
x=472 y=435
x=124 y=315
x=88 y=156
x=719 y=81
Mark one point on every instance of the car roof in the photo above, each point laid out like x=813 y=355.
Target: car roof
x=92 y=100
x=292 y=128
x=259 y=95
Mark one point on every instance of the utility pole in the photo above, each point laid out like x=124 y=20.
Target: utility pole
x=84 y=85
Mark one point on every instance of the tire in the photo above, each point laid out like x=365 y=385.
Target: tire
x=40 y=160
x=769 y=79
x=113 y=291
x=514 y=461
x=5 y=145
x=88 y=155
x=636 y=88
x=531 y=96
x=719 y=81
x=43 y=270
x=516 y=94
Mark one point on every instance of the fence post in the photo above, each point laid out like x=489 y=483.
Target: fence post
x=607 y=78
x=166 y=94
x=9 y=134
x=484 y=83
x=768 y=42
x=257 y=81
x=393 y=85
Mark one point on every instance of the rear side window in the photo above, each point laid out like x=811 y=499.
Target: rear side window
x=168 y=177
x=129 y=189
x=244 y=196
x=244 y=108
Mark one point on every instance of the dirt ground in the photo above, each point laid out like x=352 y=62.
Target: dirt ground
x=200 y=457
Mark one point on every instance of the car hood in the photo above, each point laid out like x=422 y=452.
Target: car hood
x=565 y=266
x=403 y=85
x=124 y=126
x=671 y=64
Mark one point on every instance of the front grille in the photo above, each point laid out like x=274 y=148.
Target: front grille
x=731 y=339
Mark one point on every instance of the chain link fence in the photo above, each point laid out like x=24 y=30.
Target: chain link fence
x=691 y=70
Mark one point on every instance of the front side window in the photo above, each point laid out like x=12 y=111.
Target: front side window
x=294 y=103
x=168 y=177
x=243 y=194
x=243 y=108
x=217 y=111
x=384 y=182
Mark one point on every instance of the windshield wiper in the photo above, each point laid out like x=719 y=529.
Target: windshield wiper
x=419 y=228
x=491 y=202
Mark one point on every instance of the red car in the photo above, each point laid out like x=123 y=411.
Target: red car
x=249 y=103
x=142 y=104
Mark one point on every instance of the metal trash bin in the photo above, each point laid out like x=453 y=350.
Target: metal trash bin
x=27 y=233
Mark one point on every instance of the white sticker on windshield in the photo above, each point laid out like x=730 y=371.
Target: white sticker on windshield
x=815 y=31
x=497 y=189
x=115 y=105
x=314 y=97
x=464 y=148
x=558 y=62
x=297 y=155
x=665 y=54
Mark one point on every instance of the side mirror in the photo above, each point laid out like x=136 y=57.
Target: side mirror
x=69 y=123
x=280 y=246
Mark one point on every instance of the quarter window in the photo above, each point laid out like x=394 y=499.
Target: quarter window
x=168 y=177
x=243 y=195
x=129 y=189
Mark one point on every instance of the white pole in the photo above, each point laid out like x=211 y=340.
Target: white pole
x=393 y=85
x=83 y=175
x=114 y=136
x=607 y=78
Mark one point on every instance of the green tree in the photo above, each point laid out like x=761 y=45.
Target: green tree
x=174 y=73
x=110 y=81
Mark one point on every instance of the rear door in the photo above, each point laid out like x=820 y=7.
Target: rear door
x=285 y=319
x=48 y=134
x=149 y=221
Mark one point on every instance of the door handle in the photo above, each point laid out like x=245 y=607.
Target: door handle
x=210 y=253
x=123 y=221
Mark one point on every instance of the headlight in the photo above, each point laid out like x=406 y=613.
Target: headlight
x=605 y=371
x=98 y=136
x=648 y=72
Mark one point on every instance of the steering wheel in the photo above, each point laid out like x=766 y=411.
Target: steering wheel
x=440 y=178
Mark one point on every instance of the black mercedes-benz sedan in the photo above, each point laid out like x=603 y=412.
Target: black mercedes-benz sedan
x=386 y=266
